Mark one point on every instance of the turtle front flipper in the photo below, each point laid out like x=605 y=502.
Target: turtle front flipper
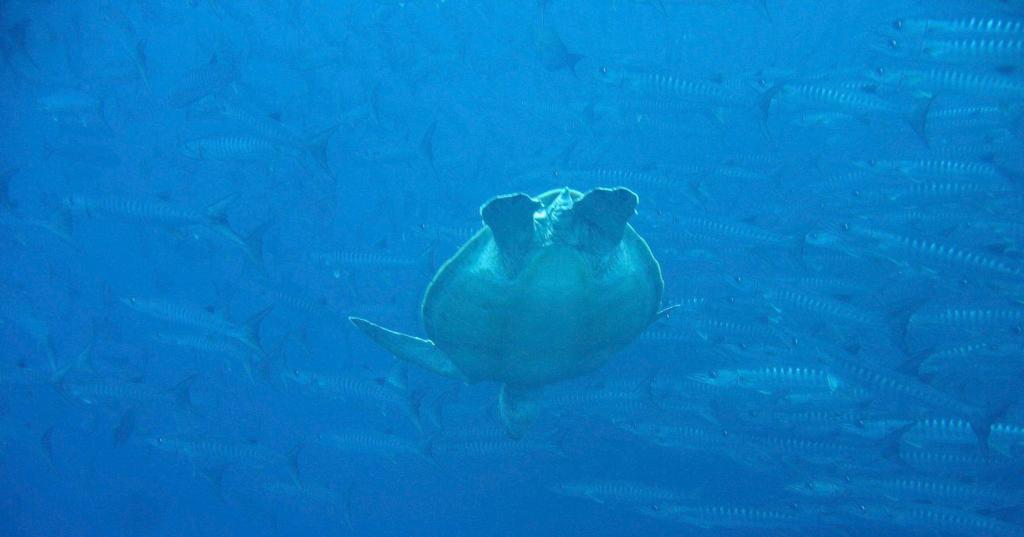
x=518 y=408
x=413 y=350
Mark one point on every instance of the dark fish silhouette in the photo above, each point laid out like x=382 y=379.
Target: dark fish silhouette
x=553 y=53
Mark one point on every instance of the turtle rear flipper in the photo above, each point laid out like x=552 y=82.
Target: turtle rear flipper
x=510 y=218
x=607 y=210
x=416 y=351
x=518 y=408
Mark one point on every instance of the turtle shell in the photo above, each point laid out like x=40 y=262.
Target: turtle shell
x=558 y=305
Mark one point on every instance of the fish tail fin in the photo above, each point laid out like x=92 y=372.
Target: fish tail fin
x=398 y=377
x=982 y=424
x=46 y=442
x=5 y=188
x=898 y=321
x=215 y=475
x=427 y=147
x=918 y=118
x=573 y=59
x=60 y=223
x=764 y=105
x=125 y=427
x=254 y=242
x=182 y=392
x=216 y=212
x=414 y=403
x=251 y=330
x=429 y=254
x=891 y=444
x=316 y=147
x=912 y=365
x=82 y=361
x=292 y=457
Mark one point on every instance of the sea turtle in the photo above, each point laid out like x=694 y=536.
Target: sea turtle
x=549 y=289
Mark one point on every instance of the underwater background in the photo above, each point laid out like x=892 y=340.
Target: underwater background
x=195 y=195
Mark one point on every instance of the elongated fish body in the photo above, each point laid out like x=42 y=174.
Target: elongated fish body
x=496 y=448
x=22 y=377
x=900 y=387
x=375 y=392
x=663 y=84
x=771 y=379
x=352 y=259
x=985 y=86
x=722 y=516
x=181 y=314
x=201 y=319
x=371 y=443
x=235 y=148
x=944 y=492
x=781 y=299
x=932 y=518
x=987 y=26
x=934 y=432
x=935 y=254
x=810 y=95
x=214 y=451
x=618 y=492
x=712 y=229
x=201 y=82
x=967 y=51
x=1007 y=439
x=935 y=168
x=131 y=392
x=157 y=213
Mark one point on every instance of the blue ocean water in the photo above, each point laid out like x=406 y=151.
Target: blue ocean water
x=196 y=196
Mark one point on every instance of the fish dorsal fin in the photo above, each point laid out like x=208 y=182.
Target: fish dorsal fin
x=607 y=210
x=510 y=218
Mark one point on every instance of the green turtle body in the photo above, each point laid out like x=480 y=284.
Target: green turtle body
x=548 y=290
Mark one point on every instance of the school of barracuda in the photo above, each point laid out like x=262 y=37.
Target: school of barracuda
x=844 y=240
